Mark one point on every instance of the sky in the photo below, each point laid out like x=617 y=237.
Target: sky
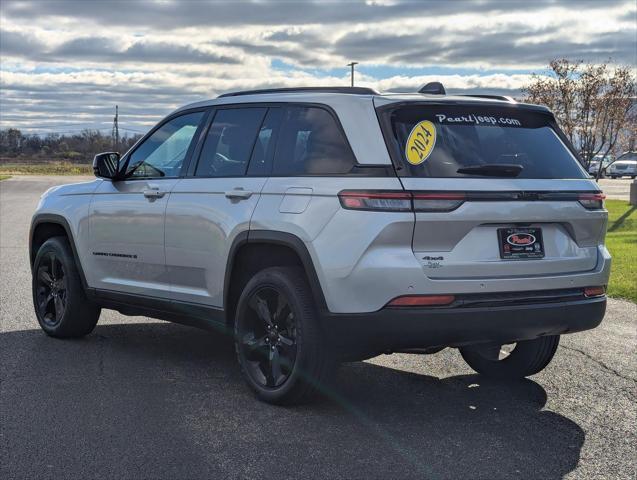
x=64 y=65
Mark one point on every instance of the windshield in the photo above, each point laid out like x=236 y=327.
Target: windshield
x=466 y=141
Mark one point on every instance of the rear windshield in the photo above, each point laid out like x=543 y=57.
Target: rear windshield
x=437 y=141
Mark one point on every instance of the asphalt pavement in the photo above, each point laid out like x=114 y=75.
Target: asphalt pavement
x=616 y=188
x=141 y=398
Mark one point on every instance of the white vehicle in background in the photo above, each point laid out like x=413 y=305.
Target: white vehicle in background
x=625 y=165
x=600 y=160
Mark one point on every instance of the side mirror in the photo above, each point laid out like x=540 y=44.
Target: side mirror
x=106 y=165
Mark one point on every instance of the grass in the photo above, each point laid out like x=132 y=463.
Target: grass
x=621 y=241
x=50 y=168
x=4 y=177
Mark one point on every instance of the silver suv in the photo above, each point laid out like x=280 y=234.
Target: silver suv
x=335 y=224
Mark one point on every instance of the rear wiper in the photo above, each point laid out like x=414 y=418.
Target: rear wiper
x=492 y=170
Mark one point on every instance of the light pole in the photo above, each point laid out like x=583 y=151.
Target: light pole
x=352 y=65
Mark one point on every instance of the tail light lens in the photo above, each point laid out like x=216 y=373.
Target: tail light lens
x=406 y=201
x=421 y=300
x=400 y=201
x=592 y=201
x=437 y=202
x=594 y=291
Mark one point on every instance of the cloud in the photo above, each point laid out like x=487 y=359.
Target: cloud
x=505 y=50
x=67 y=59
x=105 y=49
x=178 y=14
x=164 y=52
x=18 y=43
x=366 y=46
x=91 y=47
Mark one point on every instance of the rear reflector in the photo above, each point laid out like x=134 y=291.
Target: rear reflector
x=421 y=300
x=594 y=291
x=592 y=201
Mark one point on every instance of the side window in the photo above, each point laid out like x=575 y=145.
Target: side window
x=263 y=151
x=311 y=143
x=163 y=153
x=229 y=142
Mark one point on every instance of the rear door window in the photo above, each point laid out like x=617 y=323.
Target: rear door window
x=437 y=141
x=229 y=142
x=311 y=143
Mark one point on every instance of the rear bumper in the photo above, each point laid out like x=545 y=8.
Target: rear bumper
x=394 y=329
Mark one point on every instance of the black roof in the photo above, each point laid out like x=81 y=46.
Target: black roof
x=349 y=90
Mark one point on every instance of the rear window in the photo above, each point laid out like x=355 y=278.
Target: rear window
x=437 y=141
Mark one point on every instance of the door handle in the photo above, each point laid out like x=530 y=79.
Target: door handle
x=239 y=194
x=153 y=192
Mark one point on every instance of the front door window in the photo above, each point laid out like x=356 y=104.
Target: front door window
x=163 y=153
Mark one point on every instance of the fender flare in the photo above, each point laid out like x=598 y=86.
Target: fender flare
x=276 y=238
x=61 y=221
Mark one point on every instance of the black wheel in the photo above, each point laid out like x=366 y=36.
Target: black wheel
x=278 y=338
x=60 y=303
x=511 y=361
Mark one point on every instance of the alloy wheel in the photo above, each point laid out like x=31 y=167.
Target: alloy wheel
x=51 y=290
x=268 y=337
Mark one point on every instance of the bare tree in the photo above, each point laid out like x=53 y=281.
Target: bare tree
x=627 y=141
x=592 y=103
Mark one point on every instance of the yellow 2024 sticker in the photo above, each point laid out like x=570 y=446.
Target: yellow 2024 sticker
x=421 y=142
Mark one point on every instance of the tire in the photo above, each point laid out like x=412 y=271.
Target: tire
x=59 y=300
x=278 y=339
x=527 y=358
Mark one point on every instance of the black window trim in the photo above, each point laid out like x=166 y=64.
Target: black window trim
x=196 y=138
x=358 y=170
x=274 y=138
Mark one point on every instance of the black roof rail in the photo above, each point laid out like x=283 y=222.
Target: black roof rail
x=492 y=97
x=349 y=90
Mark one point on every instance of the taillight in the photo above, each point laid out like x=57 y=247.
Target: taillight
x=421 y=300
x=400 y=201
x=592 y=201
x=594 y=291
x=437 y=202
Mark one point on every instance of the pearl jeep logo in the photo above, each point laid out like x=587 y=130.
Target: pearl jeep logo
x=518 y=239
